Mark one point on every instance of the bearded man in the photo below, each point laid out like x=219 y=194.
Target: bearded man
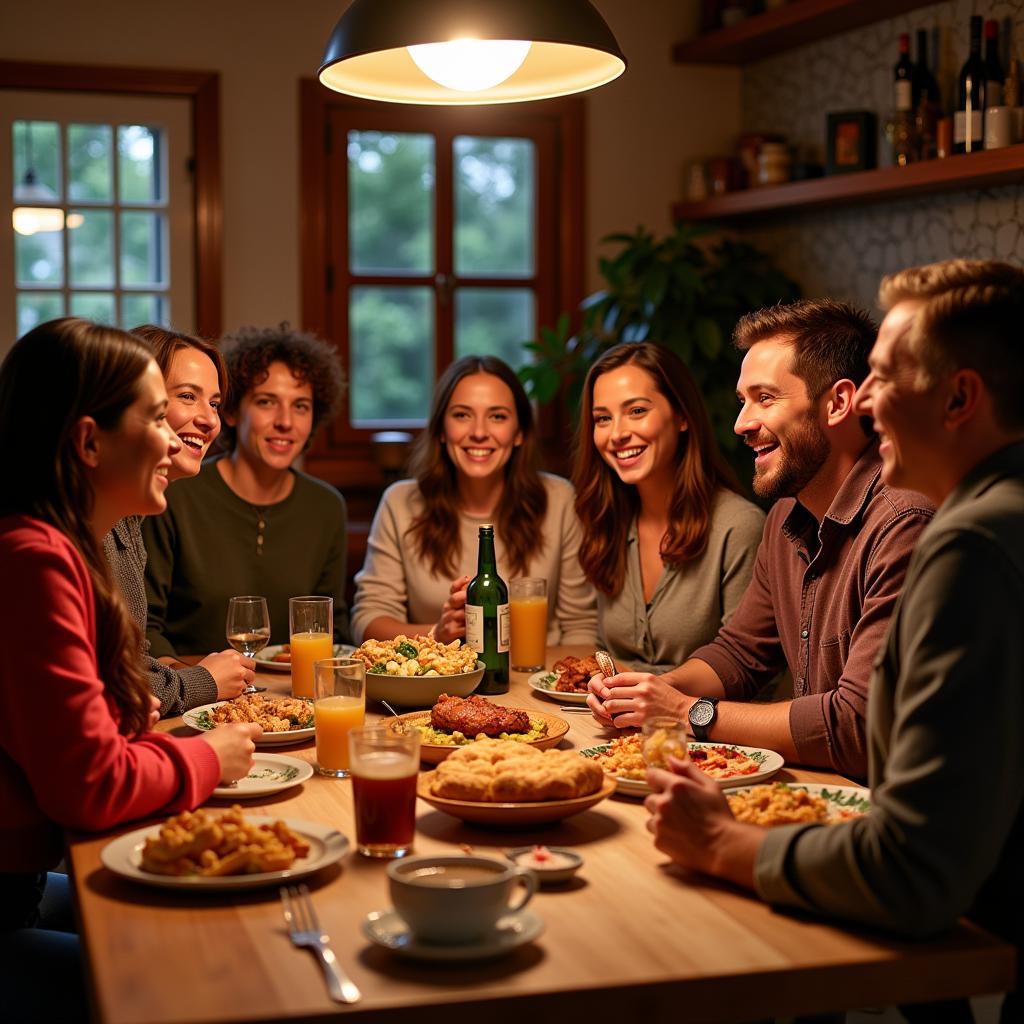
x=830 y=566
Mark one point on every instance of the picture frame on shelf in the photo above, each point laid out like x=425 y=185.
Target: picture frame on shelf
x=852 y=142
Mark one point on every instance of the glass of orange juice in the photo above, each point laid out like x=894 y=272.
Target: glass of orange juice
x=528 y=608
x=311 y=635
x=340 y=705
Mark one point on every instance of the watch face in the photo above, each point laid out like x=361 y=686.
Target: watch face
x=702 y=713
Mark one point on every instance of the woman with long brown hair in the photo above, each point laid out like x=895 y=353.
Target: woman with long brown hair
x=475 y=462
x=84 y=407
x=197 y=383
x=668 y=540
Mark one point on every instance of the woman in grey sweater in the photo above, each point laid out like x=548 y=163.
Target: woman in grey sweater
x=668 y=540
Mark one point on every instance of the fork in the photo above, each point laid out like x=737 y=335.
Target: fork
x=304 y=929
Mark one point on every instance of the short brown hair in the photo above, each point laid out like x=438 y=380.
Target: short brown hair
x=972 y=316
x=165 y=343
x=831 y=339
x=249 y=353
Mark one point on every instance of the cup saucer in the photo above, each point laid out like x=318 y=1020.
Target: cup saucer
x=385 y=928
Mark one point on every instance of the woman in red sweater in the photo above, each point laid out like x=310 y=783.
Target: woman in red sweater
x=82 y=412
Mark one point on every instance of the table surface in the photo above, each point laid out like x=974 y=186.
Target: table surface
x=632 y=934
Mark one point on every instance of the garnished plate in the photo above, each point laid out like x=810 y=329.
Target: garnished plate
x=270 y=773
x=843 y=801
x=769 y=762
x=544 y=683
x=123 y=856
x=200 y=719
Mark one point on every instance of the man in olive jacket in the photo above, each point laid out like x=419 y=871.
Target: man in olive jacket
x=945 y=835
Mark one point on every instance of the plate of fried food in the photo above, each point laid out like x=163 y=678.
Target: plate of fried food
x=567 y=680
x=726 y=763
x=500 y=782
x=455 y=722
x=791 y=803
x=278 y=657
x=412 y=672
x=284 y=719
x=201 y=850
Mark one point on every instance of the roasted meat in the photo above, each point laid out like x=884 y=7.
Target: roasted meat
x=575 y=673
x=476 y=715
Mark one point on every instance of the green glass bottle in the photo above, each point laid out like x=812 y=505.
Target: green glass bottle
x=487 y=618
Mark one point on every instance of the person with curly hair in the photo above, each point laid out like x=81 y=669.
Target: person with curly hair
x=250 y=522
x=474 y=463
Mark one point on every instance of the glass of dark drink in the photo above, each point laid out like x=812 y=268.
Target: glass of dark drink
x=384 y=763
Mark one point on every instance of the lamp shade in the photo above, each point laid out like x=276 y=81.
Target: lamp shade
x=570 y=49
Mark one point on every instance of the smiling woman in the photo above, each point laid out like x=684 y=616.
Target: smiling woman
x=250 y=523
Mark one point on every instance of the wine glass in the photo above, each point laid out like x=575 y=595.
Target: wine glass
x=248 y=627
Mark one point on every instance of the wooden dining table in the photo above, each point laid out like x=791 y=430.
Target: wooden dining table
x=632 y=938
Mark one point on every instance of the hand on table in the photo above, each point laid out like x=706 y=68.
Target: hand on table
x=231 y=671
x=692 y=823
x=452 y=623
x=233 y=744
x=630 y=698
x=154 y=712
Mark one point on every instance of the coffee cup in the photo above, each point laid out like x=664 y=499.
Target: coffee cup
x=455 y=899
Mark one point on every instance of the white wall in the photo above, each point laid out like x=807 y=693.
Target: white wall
x=641 y=129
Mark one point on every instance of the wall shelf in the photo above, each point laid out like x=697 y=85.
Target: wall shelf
x=796 y=24
x=974 y=170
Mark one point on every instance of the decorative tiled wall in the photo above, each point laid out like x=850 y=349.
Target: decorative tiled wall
x=844 y=252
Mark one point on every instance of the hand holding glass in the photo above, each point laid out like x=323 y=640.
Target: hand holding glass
x=340 y=706
x=311 y=635
x=248 y=627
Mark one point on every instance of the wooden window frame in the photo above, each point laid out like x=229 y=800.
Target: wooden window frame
x=202 y=90
x=341 y=454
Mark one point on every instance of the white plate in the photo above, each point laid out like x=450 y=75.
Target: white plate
x=544 y=683
x=264 y=663
x=385 y=928
x=327 y=845
x=771 y=762
x=193 y=719
x=840 y=798
x=270 y=773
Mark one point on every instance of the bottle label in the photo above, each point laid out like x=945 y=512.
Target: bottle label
x=504 y=628
x=475 y=627
x=904 y=94
x=960 y=128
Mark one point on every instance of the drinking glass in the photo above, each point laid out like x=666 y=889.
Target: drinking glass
x=385 y=763
x=311 y=635
x=340 y=705
x=528 y=608
x=662 y=738
x=248 y=627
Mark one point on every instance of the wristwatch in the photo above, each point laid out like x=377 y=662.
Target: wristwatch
x=702 y=715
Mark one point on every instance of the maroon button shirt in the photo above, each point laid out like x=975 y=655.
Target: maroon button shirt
x=819 y=602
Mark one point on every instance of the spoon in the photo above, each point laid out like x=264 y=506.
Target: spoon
x=396 y=714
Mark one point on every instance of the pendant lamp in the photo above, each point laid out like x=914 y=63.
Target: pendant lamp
x=467 y=52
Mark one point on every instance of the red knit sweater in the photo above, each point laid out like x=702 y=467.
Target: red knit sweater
x=63 y=763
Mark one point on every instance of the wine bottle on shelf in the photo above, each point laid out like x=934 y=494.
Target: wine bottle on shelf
x=1012 y=97
x=487 y=617
x=968 y=134
x=994 y=76
x=903 y=78
x=927 y=102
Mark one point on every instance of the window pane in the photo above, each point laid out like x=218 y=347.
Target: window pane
x=91 y=248
x=138 y=148
x=139 y=308
x=391 y=202
x=39 y=257
x=143 y=260
x=36 y=308
x=98 y=306
x=36 y=146
x=90 y=163
x=392 y=354
x=494 y=322
x=494 y=206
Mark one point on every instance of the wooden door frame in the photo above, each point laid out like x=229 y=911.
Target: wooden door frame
x=202 y=90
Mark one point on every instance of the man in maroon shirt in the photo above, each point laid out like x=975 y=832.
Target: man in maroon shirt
x=830 y=565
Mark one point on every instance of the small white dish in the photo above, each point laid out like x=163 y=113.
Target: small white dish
x=554 y=875
x=385 y=928
x=544 y=684
x=270 y=773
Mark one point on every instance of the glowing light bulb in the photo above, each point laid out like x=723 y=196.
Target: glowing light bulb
x=27 y=220
x=470 y=65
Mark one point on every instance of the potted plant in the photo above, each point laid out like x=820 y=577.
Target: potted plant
x=676 y=291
